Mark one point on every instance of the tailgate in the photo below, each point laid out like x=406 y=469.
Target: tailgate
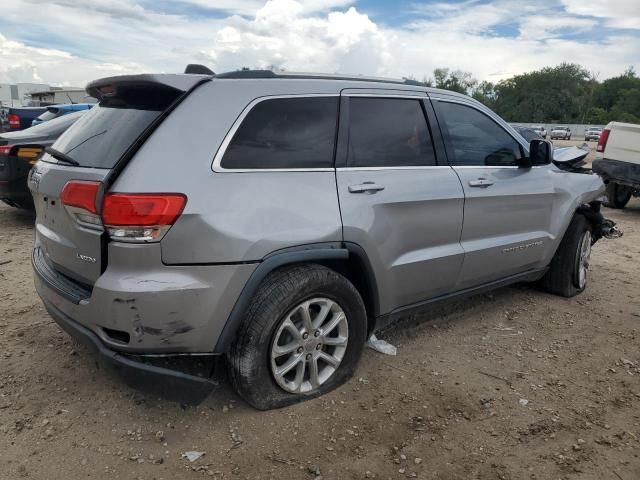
x=71 y=238
x=71 y=248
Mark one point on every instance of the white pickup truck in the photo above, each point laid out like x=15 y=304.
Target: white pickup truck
x=619 y=166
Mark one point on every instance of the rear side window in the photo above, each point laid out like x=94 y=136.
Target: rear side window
x=386 y=132
x=285 y=133
x=477 y=140
x=101 y=137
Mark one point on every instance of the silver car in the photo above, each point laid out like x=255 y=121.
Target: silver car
x=592 y=133
x=279 y=220
x=563 y=133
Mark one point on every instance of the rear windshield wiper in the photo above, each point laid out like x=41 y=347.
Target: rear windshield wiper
x=61 y=156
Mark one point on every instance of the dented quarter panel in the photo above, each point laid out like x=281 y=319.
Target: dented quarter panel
x=164 y=309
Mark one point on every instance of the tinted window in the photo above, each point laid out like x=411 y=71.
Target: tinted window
x=476 y=139
x=285 y=133
x=385 y=132
x=104 y=133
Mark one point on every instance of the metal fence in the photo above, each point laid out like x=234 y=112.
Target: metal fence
x=577 y=129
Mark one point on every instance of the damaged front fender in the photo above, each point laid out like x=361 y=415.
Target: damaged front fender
x=601 y=227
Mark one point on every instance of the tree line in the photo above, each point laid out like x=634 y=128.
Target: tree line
x=567 y=93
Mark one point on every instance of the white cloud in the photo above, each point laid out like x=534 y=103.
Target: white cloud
x=542 y=27
x=618 y=13
x=97 y=38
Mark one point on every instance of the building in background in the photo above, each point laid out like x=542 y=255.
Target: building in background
x=56 y=95
x=19 y=94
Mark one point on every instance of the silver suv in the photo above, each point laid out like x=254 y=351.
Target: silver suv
x=278 y=220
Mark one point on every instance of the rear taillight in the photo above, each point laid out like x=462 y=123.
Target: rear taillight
x=602 y=140
x=143 y=217
x=79 y=199
x=30 y=154
x=14 y=121
x=5 y=149
x=127 y=217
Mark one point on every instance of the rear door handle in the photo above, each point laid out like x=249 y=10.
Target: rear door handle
x=480 y=182
x=366 y=187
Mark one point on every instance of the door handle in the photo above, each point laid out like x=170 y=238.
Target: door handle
x=366 y=187
x=480 y=182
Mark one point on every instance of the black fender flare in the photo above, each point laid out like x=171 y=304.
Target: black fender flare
x=304 y=254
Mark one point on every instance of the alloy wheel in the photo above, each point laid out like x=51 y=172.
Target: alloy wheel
x=309 y=345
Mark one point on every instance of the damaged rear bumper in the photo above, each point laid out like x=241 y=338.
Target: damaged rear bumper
x=134 y=369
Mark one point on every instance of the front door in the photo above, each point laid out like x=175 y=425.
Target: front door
x=396 y=201
x=507 y=212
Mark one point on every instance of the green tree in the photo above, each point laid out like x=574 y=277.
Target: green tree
x=485 y=93
x=608 y=93
x=556 y=94
x=457 y=80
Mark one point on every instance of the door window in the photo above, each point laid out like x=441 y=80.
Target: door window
x=387 y=132
x=285 y=133
x=476 y=139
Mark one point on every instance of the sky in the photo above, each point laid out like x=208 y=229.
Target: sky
x=71 y=42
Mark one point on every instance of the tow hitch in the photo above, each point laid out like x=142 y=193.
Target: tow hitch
x=602 y=227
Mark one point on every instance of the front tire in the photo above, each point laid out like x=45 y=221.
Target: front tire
x=567 y=275
x=617 y=195
x=301 y=337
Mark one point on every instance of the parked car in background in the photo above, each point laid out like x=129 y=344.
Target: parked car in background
x=527 y=133
x=55 y=111
x=592 y=133
x=20 y=118
x=285 y=231
x=560 y=132
x=540 y=130
x=4 y=120
x=20 y=150
x=619 y=144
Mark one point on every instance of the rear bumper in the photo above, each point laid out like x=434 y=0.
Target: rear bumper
x=141 y=306
x=625 y=173
x=170 y=383
x=15 y=194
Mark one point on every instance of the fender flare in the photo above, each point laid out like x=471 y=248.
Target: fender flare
x=280 y=258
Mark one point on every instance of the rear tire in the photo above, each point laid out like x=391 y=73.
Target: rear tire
x=567 y=275
x=274 y=335
x=617 y=195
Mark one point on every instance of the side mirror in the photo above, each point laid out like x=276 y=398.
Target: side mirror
x=540 y=152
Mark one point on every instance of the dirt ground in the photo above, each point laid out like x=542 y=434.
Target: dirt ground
x=516 y=384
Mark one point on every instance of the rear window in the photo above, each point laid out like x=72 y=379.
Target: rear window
x=285 y=133
x=101 y=137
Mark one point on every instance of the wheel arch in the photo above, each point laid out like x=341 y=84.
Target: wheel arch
x=349 y=260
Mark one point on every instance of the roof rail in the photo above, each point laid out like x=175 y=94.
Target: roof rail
x=258 y=74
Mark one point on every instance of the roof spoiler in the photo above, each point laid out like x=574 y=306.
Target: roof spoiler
x=108 y=87
x=197 y=69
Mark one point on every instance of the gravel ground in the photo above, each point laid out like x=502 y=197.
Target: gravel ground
x=516 y=384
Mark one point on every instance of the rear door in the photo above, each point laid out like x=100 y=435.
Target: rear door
x=398 y=203
x=67 y=238
x=507 y=211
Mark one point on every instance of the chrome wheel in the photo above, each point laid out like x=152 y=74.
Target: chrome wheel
x=583 y=254
x=309 y=345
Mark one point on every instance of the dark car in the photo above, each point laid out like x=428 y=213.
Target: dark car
x=20 y=150
x=20 y=118
x=527 y=133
